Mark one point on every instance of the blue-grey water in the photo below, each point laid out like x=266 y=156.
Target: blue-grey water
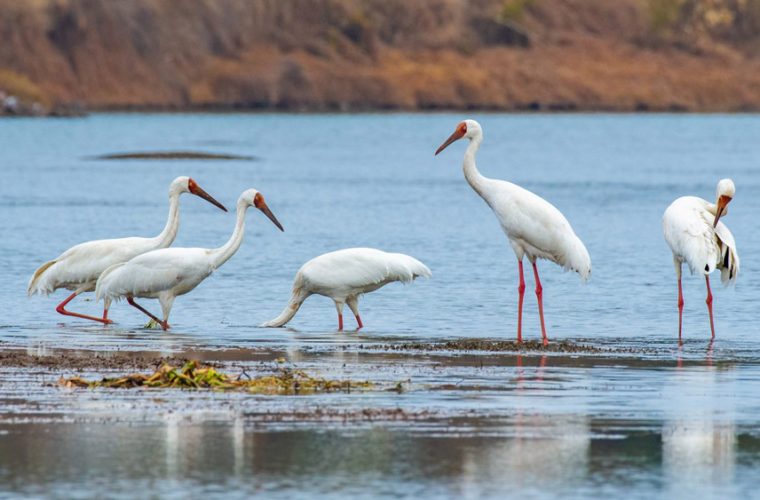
x=657 y=421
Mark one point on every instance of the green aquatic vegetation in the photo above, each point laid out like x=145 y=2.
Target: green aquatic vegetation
x=193 y=375
x=152 y=324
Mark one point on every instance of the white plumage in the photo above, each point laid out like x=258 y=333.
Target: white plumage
x=169 y=272
x=346 y=274
x=687 y=226
x=696 y=236
x=79 y=267
x=535 y=228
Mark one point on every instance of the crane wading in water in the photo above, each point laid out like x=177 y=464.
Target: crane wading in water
x=79 y=267
x=534 y=227
x=164 y=274
x=695 y=235
x=346 y=274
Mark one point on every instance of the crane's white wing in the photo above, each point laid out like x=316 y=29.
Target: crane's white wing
x=537 y=227
x=687 y=226
x=149 y=274
x=85 y=262
x=356 y=268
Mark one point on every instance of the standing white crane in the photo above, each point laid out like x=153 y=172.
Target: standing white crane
x=79 y=267
x=695 y=235
x=534 y=227
x=346 y=274
x=166 y=273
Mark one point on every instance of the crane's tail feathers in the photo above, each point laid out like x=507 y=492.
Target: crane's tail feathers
x=577 y=259
x=103 y=288
x=730 y=265
x=296 y=299
x=422 y=271
x=729 y=257
x=407 y=269
x=38 y=283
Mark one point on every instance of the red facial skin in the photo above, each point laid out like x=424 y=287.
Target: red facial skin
x=258 y=202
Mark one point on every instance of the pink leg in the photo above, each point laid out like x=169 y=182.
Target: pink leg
x=521 y=292
x=340 y=322
x=709 y=301
x=134 y=304
x=61 y=309
x=680 y=309
x=539 y=296
x=359 y=322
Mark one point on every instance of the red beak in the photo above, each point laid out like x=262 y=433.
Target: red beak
x=722 y=202
x=453 y=137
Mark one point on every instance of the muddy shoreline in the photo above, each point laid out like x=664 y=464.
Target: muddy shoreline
x=461 y=352
x=80 y=359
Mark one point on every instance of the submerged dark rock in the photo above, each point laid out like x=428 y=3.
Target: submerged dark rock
x=173 y=155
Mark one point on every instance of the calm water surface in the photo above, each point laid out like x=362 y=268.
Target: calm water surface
x=684 y=422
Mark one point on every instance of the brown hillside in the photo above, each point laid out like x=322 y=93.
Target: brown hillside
x=384 y=54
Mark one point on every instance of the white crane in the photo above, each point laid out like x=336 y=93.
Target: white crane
x=695 y=235
x=166 y=273
x=346 y=274
x=79 y=267
x=534 y=227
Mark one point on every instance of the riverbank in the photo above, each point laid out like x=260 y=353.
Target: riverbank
x=515 y=55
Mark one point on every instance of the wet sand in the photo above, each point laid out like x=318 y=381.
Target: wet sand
x=460 y=352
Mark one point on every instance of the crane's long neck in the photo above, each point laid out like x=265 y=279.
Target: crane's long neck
x=222 y=254
x=169 y=233
x=471 y=173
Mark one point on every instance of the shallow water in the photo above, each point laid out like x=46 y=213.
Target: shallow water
x=657 y=421
x=662 y=424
